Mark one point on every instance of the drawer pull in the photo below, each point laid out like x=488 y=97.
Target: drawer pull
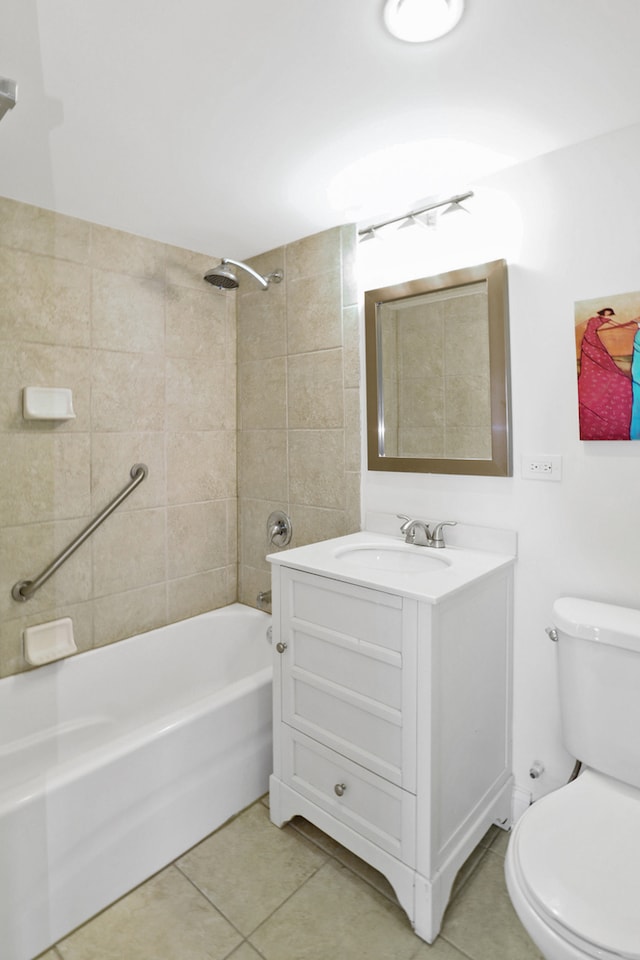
x=280 y=646
x=340 y=789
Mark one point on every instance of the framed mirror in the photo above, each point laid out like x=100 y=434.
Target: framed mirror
x=437 y=371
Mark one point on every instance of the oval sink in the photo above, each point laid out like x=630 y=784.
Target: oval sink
x=401 y=559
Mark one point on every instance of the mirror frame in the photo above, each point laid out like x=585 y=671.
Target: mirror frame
x=500 y=463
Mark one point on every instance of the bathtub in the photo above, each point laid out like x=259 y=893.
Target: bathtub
x=116 y=761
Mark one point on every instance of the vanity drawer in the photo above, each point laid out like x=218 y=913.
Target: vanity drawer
x=371 y=806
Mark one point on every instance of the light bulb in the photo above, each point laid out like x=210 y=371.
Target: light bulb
x=418 y=21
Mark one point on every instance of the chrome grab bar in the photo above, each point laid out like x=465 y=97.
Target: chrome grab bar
x=25 y=589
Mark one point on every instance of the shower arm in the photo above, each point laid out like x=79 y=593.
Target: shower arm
x=264 y=282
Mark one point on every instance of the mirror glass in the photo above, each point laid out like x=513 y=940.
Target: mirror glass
x=437 y=373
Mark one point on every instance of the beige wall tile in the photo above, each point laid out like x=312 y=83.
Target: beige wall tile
x=127 y=313
x=319 y=253
x=189 y=596
x=262 y=465
x=30 y=228
x=201 y=465
x=353 y=502
x=262 y=394
x=112 y=457
x=44 y=477
x=254 y=542
x=187 y=269
x=197 y=538
x=200 y=395
x=351 y=349
x=11 y=632
x=127 y=614
x=352 y=430
x=43 y=300
x=25 y=552
x=312 y=524
x=315 y=392
x=316 y=466
x=126 y=253
x=350 y=289
x=314 y=311
x=251 y=582
x=196 y=322
x=127 y=393
x=262 y=330
x=41 y=365
x=468 y=401
x=126 y=552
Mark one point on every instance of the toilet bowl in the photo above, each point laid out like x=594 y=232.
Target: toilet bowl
x=573 y=870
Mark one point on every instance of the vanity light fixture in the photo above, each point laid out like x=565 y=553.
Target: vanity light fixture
x=425 y=216
x=418 y=21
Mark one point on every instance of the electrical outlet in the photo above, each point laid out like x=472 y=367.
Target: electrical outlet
x=541 y=467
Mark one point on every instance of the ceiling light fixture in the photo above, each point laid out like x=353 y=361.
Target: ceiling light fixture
x=413 y=217
x=418 y=21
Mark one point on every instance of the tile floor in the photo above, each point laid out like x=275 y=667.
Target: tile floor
x=252 y=891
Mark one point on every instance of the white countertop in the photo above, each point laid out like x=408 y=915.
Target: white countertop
x=360 y=558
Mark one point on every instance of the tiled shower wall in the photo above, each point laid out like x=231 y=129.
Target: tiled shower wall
x=298 y=399
x=149 y=351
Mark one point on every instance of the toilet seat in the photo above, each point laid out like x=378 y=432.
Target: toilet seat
x=575 y=855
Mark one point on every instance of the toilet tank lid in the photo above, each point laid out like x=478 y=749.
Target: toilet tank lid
x=600 y=622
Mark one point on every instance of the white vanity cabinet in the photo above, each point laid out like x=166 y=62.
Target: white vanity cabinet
x=392 y=722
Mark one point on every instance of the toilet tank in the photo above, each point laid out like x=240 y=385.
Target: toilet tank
x=599 y=681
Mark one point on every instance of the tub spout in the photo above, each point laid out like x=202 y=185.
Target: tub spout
x=264 y=599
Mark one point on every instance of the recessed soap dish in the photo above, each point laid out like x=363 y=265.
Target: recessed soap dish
x=47 y=403
x=49 y=641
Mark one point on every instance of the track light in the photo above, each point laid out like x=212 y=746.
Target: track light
x=368 y=234
x=424 y=217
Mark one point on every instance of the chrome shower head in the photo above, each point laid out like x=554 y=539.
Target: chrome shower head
x=222 y=277
x=225 y=279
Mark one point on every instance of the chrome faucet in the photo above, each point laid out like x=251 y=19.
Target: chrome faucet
x=418 y=532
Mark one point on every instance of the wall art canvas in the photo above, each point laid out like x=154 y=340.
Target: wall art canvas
x=608 y=358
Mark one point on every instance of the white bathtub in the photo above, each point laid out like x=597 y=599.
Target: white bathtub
x=116 y=761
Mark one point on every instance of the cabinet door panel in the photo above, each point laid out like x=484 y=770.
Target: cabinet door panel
x=371 y=738
x=345 y=662
x=350 y=610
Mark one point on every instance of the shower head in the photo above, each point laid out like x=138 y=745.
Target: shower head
x=225 y=279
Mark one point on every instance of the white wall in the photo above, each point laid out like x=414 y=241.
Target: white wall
x=569 y=226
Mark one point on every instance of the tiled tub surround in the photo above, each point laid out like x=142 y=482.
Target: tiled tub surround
x=298 y=399
x=114 y=763
x=149 y=351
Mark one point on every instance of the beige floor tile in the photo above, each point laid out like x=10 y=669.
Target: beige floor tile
x=250 y=867
x=500 y=842
x=441 y=950
x=348 y=859
x=245 y=952
x=481 y=921
x=336 y=914
x=164 y=918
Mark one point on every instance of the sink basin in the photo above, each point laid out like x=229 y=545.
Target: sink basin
x=400 y=558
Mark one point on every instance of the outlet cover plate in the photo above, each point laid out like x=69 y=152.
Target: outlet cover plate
x=541 y=466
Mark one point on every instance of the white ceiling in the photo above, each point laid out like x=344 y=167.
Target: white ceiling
x=227 y=127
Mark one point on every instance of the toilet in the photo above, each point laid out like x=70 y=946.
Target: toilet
x=573 y=861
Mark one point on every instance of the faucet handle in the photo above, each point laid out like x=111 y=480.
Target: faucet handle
x=437 y=540
x=407 y=522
